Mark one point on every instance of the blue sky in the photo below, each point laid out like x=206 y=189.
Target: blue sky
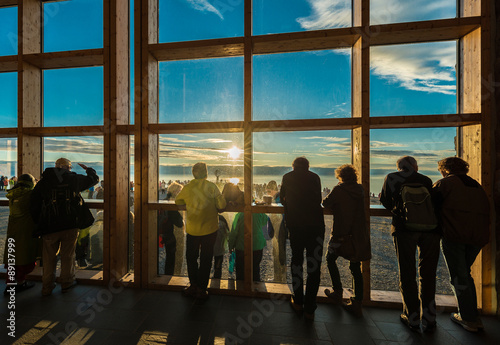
x=404 y=80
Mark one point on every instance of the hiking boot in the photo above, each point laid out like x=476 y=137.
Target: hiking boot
x=354 y=307
x=24 y=286
x=335 y=296
x=66 y=288
x=201 y=294
x=190 y=291
x=468 y=325
x=295 y=306
x=82 y=263
x=429 y=326
x=415 y=327
x=48 y=292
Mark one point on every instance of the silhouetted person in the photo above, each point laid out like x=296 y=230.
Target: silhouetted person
x=301 y=197
x=418 y=302
x=463 y=210
x=350 y=237
x=59 y=211
x=20 y=231
x=203 y=200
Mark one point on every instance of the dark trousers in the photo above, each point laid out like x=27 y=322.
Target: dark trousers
x=218 y=260
x=418 y=303
x=240 y=264
x=357 y=276
x=309 y=239
x=170 y=258
x=202 y=247
x=459 y=258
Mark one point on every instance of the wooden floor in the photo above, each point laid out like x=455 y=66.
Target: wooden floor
x=101 y=315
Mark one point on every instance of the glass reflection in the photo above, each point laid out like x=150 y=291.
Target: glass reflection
x=72 y=25
x=300 y=15
x=208 y=90
x=396 y=11
x=73 y=97
x=8 y=99
x=8 y=31
x=303 y=85
x=413 y=79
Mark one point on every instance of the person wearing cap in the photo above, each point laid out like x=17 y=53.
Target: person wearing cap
x=59 y=232
x=20 y=233
x=203 y=201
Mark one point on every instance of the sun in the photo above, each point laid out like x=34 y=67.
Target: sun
x=234 y=152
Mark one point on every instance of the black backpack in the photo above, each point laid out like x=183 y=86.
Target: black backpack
x=416 y=208
x=62 y=209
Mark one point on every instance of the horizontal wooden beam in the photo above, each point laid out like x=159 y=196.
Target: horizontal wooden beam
x=305 y=40
x=306 y=125
x=8 y=63
x=423 y=121
x=8 y=132
x=66 y=59
x=63 y=131
x=198 y=127
x=8 y=3
x=424 y=31
x=125 y=129
x=224 y=47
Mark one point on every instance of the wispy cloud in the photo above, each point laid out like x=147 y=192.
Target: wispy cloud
x=419 y=67
x=74 y=145
x=335 y=139
x=377 y=144
x=327 y=14
x=428 y=67
x=205 y=6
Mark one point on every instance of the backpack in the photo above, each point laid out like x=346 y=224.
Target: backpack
x=62 y=209
x=416 y=208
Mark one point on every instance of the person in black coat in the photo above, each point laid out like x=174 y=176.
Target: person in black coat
x=59 y=211
x=301 y=197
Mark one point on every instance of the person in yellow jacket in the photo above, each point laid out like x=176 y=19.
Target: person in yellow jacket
x=203 y=201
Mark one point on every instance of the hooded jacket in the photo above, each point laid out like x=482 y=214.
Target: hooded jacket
x=51 y=178
x=463 y=209
x=203 y=200
x=21 y=226
x=346 y=201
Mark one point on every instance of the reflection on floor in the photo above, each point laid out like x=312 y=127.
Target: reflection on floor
x=104 y=315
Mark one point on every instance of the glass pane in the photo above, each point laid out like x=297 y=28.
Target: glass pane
x=274 y=153
x=300 y=15
x=413 y=79
x=8 y=164
x=73 y=97
x=384 y=263
x=178 y=153
x=72 y=25
x=8 y=99
x=426 y=145
x=181 y=20
x=85 y=150
x=395 y=11
x=171 y=244
x=302 y=85
x=8 y=31
x=89 y=245
x=201 y=90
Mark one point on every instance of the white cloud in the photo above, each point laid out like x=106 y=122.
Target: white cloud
x=324 y=138
x=427 y=67
x=392 y=11
x=377 y=144
x=204 y=5
x=327 y=14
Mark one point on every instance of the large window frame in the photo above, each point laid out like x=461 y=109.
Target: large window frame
x=474 y=118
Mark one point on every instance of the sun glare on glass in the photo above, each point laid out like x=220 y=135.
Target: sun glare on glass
x=234 y=152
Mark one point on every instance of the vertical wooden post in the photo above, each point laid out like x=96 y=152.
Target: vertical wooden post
x=116 y=155
x=361 y=108
x=147 y=154
x=29 y=87
x=248 y=147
